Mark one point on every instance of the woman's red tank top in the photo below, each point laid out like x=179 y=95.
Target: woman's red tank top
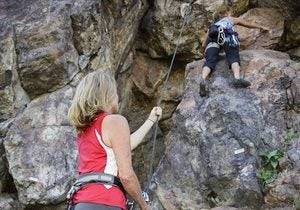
x=95 y=156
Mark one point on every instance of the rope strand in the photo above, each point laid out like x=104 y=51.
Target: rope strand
x=158 y=104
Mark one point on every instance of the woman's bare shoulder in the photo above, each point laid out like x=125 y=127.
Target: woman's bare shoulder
x=115 y=120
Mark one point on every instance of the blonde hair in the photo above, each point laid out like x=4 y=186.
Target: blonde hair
x=95 y=93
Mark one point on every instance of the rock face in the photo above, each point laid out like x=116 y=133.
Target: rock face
x=257 y=39
x=292 y=38
x=12 y=94
x=286 y=188
x=54 y=40
x=46 y=58
x=47 y=46
x=104 y=32
x=8 y=202
x=140 y=88
x=40 y=148
x=289 y=8
x=161 y=27
x=290 y=11
x=201 y=167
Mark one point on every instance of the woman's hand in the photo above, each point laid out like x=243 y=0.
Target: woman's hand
x=137 y=137
x=155 y=114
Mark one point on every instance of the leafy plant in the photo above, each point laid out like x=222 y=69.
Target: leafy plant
x=297 y=202
x=270 y=162
x=291 y=135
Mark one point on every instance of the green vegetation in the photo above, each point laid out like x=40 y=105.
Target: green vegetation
x=270 y=169
x=297 y=203
x=290 y=136
x=270 y=160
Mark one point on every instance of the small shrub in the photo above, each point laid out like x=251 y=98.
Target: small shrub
x=269 y=170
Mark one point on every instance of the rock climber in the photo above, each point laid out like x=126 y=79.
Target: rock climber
x=104 y=145
x=222 y=36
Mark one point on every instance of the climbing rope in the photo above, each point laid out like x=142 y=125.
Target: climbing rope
x=184 y=13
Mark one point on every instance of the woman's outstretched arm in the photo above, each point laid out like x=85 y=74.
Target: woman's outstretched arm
x=137 y=137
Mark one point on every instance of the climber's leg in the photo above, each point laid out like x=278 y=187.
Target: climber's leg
x=203 y=91
x=233 y=59
x=211 y=59
x=236 y=70
x=205 y=72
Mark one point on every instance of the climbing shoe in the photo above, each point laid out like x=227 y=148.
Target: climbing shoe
x=203 y=88
x=241 y=83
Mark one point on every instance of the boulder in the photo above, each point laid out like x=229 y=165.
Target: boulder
x=161 y=27
x=54 y=40
x=40 y=149
x=256 y=38
x=46 y=57
x=104 y=32
x=212 y=150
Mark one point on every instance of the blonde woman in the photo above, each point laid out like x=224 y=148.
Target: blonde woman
x=105 y=144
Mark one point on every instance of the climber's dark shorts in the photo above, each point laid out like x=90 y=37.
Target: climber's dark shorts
x=89 y=206
x=212 y=55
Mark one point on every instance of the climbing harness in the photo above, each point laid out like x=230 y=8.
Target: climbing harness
x=92 y=178
x=222 y=32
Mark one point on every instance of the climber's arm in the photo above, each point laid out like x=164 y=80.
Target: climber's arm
x=137 y=137
x=242 y=22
